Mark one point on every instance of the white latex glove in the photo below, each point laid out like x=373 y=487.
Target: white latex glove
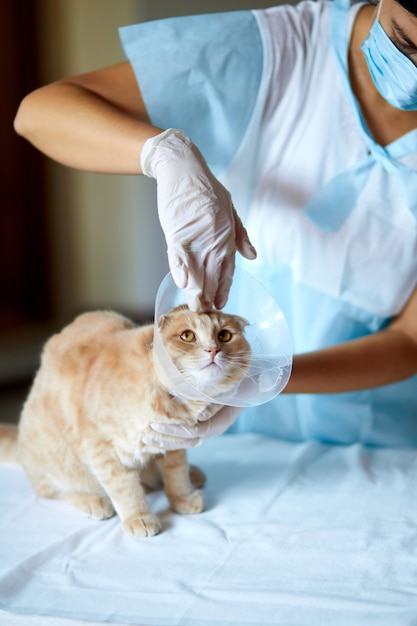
x=177 y=436
x=201 y=226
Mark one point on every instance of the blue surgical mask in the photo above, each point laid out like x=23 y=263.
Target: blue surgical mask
x=394 y=75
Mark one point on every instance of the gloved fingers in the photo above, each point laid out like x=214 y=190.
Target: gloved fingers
x=211 y=284
x=225 y=281
x=215 y=425
x=198 y=219
x=188 y=273
x=178 y=269
x=195 y=299
x=172 y=436
x=220 y=422
x=201 y=286
x=211 y=281
x=182 y=431
x=158 y=442
x=243 y=243
x=209 y=412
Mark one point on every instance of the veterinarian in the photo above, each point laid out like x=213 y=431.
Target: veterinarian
x=308 y=116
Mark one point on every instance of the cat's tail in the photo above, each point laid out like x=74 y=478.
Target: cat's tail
x=8 y=443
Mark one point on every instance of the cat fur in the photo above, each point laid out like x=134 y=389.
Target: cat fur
x=93 y=399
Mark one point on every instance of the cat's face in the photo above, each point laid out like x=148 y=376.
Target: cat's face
x=209 y=349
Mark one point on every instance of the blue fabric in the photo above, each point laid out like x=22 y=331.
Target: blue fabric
x=394 y=74
x=328 y=283
x=212 y=63
x=386 y=416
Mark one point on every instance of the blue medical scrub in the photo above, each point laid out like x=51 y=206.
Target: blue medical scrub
x=265 y=97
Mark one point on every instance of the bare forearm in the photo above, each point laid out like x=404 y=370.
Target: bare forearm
x=380 y=359
x=81 y=124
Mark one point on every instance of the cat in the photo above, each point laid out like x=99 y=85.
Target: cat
x=96 y=392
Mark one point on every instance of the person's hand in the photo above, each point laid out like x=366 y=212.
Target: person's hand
x=176 y=436
x=201 y=226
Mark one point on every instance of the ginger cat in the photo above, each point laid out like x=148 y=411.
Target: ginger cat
x=96 y=392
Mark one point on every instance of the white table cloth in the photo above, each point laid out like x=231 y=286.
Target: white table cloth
x=293 y=534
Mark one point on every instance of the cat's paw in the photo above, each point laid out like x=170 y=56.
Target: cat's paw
x=142 y=526
x=197 y=476
x=101 y=508
x=188 y=505
x=97 y=507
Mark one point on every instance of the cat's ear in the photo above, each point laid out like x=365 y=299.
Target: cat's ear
x=241 y=322
x=165 y=319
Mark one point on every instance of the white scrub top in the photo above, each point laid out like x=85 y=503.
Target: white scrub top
x=260 y=93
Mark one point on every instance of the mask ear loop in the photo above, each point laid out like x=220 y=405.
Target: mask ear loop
x=379 y=10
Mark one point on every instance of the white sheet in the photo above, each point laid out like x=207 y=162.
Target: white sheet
x=15 y=619
x=294 y=534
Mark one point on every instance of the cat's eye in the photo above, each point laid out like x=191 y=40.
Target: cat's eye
x=224 y=335
x=188 y=336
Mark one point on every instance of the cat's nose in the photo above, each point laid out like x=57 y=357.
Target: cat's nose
x=213 y=351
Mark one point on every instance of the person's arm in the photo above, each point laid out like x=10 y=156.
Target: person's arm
x=95 y=122
x=98 y=122
x=385 y=357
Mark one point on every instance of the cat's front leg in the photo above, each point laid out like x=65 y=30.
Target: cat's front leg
x=124 y=488
x=182 y=495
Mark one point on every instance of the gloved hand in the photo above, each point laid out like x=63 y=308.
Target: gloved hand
x=201 y=226
x=176 y=436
